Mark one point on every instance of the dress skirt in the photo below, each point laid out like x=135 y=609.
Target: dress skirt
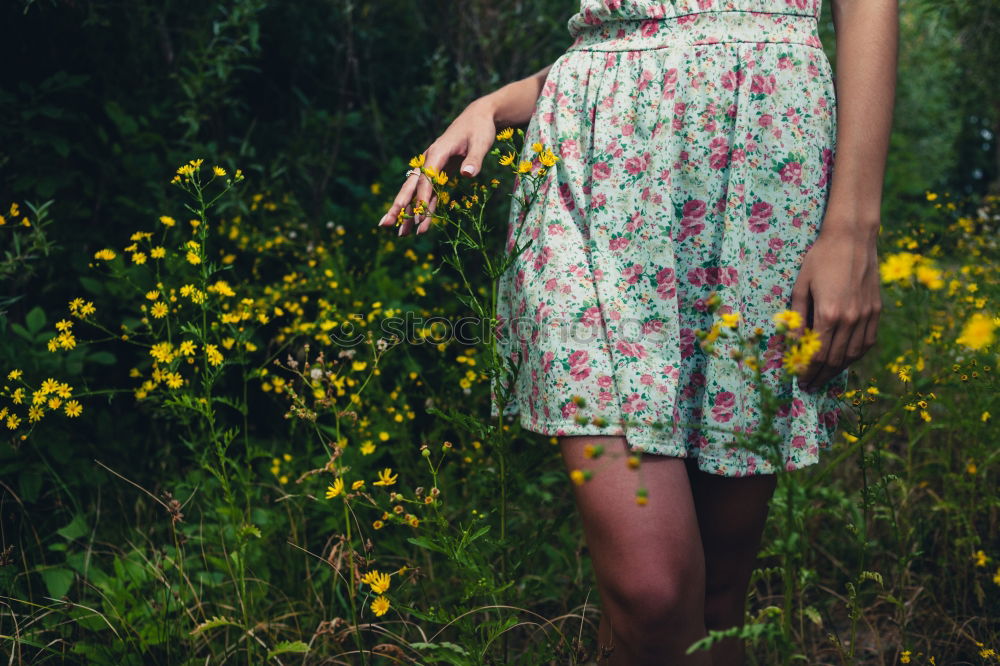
x=696 y=153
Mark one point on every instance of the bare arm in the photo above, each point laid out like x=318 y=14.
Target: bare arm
x=867 y=46
x=466 y=141
x=837 y=291
x=513 y=104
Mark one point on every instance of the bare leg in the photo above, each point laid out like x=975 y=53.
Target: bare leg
x=648 y=560
x=731 y=516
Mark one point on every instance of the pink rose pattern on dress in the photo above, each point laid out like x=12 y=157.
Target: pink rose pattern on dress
x=696 y=140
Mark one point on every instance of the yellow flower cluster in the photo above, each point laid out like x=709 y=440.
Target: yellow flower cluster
x=338 y=487
x=546 y=158
x=49 y=397
x=379 y=583
x=222 y=288
x=800 y=353
x=81 y=308
x=276 y=468
x=14 y=211
x=901 y=267
x=979 y=331
x=187 y=172
x=64 y=339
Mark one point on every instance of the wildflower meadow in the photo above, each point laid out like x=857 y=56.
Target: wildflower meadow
x=242 y=424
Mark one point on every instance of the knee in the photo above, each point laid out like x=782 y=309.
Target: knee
x=645 y=605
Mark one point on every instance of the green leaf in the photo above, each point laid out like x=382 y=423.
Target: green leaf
x=57 y=581
x=22 y=331
x=91 y=285
x=103 y=358
x=443 y=652
x=288 y=646
x=813 y=614
x=214 y=623
x=424 y=542
x=76 y=529
x=35 y=320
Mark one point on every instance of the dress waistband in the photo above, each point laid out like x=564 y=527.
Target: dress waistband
x=707 y=27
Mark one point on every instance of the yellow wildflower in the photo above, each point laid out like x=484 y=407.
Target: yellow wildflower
x=548 y=158
x=790 y=319
x=730 y=320
x=213 y=354
x=898 y=267
x=378 y=581
x=386 y=477
x=978 y=331
x=162 y=352
x=380 y=606
x=335 y=489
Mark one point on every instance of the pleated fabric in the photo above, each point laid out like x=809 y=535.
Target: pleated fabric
x=696 y=143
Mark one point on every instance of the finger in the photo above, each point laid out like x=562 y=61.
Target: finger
x=836 y=358
x=426 y=224
x=871 y=332
x=404 y=227
x=801 y=299
x=437 y=158
x=400 y=202
x=856 y=347
x=825 y=330
x=479 y=145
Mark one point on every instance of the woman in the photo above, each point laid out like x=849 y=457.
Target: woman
x=696 y=142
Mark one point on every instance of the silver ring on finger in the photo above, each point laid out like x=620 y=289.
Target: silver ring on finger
x=412 y=172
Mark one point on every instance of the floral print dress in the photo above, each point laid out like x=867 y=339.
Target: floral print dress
x=696 y=141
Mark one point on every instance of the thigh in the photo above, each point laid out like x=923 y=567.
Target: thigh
x=654 y=544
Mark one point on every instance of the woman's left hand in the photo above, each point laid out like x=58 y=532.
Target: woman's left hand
x=837 y=294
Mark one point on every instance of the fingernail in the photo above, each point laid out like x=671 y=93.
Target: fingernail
x=468 y=169
x=384 y=218
x=400 y=231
